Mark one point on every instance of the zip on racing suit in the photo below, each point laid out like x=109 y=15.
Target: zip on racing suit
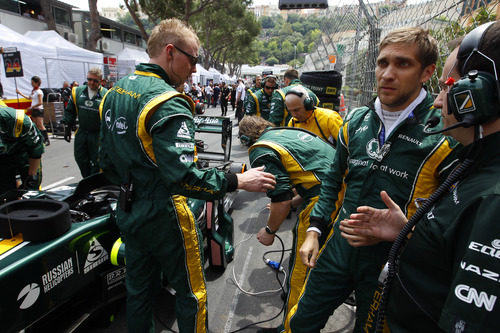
x=147 y=139
x=87 y=135
x=409 y=165
x=298 y=159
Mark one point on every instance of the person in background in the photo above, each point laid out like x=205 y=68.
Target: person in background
x=279 y=115
x=66 y=93
x=381 y=146
x=147 y=147
x=36 y=107
x=448 y=272
x=232 y=97
x=74 y=84
x=21 y=149
x=84 y=105
x=324 y=123
x=216 y=90
x=299 y=160
x=240 y=98
x=259 y=102
x=224 y=97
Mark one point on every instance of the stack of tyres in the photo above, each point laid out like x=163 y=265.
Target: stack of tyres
x=326 y=85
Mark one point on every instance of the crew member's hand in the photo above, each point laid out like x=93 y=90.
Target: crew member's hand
x=264 y=237
x=256 y=180
x=67 y=133
x=370 y=225
x=18 y=92
x=309 y=249
x=30 y=183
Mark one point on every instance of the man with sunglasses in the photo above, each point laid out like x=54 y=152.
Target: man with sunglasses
x=84 y=105
x=147 y=147
x=259 y=102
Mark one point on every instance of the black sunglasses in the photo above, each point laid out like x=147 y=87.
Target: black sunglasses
x=95 y=80
x=192 y=58
x=269 y=87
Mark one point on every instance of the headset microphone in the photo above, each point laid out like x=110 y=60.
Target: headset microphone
x=434 y=121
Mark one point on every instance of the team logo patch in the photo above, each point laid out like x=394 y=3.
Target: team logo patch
x=132 y=77
x=107 y=118
x=305 y=137
x=464 y=101
x=28 y=295
x=89 y=103
x=183 y=131
x=459 y=326
x=375 y=152
x=121 y=125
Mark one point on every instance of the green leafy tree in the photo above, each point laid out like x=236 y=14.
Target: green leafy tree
x=272 y=61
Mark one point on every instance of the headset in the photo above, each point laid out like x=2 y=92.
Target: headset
x=264 y=80
x=308 y=101
x=475 y=98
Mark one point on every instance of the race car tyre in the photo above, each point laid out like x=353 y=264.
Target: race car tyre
x=323 y=83
x=38 y=220
x=331 y=103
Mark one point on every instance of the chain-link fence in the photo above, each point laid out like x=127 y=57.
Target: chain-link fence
x=352 y=35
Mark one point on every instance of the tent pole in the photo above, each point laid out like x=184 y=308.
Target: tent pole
x=15 y=83
x=47 y=71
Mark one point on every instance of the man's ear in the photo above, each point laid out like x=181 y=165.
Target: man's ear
x=427 y=73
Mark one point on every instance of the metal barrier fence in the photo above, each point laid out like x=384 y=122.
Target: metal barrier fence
x=352 y=34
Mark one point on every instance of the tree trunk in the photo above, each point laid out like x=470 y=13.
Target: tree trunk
x=133 y=13
x=47 y=13
x=95 y=26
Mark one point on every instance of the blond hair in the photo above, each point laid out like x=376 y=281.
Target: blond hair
x=96 y=71
x=253 y=126
x=427 y=47
x=170 y=31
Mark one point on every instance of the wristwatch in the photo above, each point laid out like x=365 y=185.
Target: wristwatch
x=269 y=231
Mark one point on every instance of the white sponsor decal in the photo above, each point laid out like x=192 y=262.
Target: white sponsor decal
x=57 y=275
x=409 y=139
x=459 y=326
x=183 y=131
x=209 y=120
x=492 y=251
x=186 y=158
x=132 y=77
x=28 y=295
x=305 y=137
x=361 y=129
x=188 y=145
x=96 y=256
x=89 y=103
x=455 y=196
x=375 y=152
x=470 y=295
x=486 y=273
x=107 y=118
x=121 y=125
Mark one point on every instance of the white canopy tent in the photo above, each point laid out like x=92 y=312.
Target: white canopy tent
x=202 y=75
x=216 y=75
x=73 y=62
x=128 y=58
x=33 y=54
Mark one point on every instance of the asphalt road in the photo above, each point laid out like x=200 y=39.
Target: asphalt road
x=229 y=308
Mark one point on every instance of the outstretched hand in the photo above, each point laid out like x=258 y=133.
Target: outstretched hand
x=370 y=225
x=256 y=180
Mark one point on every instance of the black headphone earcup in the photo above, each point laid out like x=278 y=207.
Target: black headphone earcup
x=475 y=95
x=309 y=104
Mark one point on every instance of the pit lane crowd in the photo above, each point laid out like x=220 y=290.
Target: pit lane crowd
x=407 y=179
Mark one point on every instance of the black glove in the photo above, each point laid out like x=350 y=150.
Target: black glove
x=67 y=133
x=30 y=183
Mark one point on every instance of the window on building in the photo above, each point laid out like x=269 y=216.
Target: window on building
x=105 y=30
x=62 y=16
x=116 y=34
x=11 y=6
x=129 y=37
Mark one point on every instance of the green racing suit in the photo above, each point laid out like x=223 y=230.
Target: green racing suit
x=20 y=140
x=298 y=159
x=409 y=165
x=147 y=140
x=258 y=103
x=87 y=135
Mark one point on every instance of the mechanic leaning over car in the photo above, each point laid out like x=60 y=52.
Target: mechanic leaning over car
x=299 y=160
x=448 y=272
x=380 y=147
x=258 y=102
x=279 y=115
x=84 y=105
x=147 y=146
x=21 y=149
x=324 y=123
